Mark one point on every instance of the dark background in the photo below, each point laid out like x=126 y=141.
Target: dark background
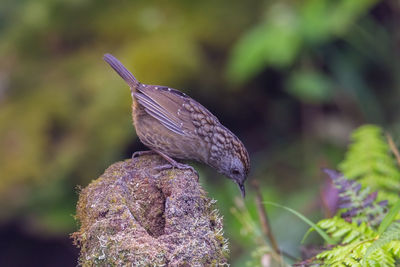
x=291 y=78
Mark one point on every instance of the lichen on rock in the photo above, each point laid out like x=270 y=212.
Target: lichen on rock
x=136 y=215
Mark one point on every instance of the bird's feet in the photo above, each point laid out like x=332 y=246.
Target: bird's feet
x=177 y=165
x=141 y=153
x=171 y=162
x=174 y=164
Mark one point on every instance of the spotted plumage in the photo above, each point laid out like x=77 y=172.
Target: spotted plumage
x=175 y=125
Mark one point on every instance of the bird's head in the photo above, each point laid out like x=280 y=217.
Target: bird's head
x=234 y=164
x=238 y=172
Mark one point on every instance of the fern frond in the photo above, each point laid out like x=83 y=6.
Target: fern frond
x=346 y=232
x=392 y=233
x=369 y=162
x=364 y=235
x=359 y=244
x=354 y=254
x=345 y=255
x=357 y=204
x=394 y=247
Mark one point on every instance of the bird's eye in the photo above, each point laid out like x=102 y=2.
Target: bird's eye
x=235 y=172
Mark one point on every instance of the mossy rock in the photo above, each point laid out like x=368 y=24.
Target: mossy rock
x=136 y=215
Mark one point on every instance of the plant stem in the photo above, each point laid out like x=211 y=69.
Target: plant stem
x=262 y=215
x=393 y=147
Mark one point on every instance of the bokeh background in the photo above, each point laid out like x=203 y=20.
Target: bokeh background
x=291 y=78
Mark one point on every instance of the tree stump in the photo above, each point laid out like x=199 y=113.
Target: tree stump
x=138 y=216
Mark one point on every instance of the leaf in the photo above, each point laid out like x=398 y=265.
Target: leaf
x=310 y=86
x=369 y=162
x=325 y=236
x=392 y=233
x=389 y=217
x=356 y=203
x=306 y=235
x=273 y=42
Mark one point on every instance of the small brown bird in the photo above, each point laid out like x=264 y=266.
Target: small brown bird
x=175 y=126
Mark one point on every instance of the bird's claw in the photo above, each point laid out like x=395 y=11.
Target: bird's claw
x=177 y=165
x=141 y=153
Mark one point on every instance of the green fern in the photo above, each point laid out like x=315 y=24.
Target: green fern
x=369 y=162
x=358 y=245
x=361 y=244
x=389 y=239
x=353 y=254
x=366 y=229
x=368 y=252
x=345 y=232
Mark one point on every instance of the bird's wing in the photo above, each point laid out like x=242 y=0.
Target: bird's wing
x=168 y=106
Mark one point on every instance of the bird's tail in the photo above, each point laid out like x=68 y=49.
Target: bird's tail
x=122 y=71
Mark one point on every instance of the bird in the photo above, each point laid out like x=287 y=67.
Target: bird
x=174 y=125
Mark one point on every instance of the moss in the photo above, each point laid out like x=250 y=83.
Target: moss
x=136 y=215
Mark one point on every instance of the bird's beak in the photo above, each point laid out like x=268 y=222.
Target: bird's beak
x=242 y=189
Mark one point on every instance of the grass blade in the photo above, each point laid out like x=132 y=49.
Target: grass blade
x=389 y=218
x=324 y=235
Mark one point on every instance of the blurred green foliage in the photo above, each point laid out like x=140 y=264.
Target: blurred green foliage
x=288 y=29
x=291 y=78
x=64 y=116
x=368 y=161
